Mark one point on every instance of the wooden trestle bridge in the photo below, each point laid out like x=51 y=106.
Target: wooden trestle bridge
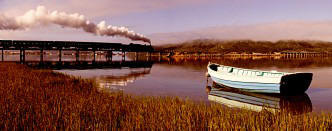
x=23 y=45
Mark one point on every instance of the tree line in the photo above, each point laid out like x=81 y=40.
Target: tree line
x=245 y=46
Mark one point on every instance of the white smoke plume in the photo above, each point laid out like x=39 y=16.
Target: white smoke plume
x=42 y=17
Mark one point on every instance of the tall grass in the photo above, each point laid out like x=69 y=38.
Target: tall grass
x=34 y=99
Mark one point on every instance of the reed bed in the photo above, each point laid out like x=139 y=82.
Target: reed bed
x=42 y=99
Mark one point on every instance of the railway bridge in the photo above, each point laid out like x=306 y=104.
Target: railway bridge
x=23 y=45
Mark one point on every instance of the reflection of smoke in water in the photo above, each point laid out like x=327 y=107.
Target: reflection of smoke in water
x=42 y=17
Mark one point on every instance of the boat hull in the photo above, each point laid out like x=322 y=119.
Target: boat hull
x=249 y=86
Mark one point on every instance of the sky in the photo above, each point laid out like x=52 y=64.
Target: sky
x=171 y=21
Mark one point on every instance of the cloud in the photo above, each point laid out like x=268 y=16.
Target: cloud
x=42 y=17
x=97 y=8
x=296 y=30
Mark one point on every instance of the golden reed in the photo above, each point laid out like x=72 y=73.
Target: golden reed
x=42 y=99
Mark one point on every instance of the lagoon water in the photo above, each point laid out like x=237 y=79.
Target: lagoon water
x=185 y=78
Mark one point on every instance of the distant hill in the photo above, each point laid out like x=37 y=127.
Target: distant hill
x=246 y=46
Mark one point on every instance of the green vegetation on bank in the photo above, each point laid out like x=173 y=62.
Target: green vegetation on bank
x=44 y=99
x=246 y=46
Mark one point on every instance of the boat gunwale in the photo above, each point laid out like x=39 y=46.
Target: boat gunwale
x=252 y=70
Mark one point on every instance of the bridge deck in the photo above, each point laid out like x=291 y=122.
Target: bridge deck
x=72 y=45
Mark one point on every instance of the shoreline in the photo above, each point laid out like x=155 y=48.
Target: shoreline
x=44 y=99
x=293 y=54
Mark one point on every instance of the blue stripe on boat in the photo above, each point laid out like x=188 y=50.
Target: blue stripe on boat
x=249 y=86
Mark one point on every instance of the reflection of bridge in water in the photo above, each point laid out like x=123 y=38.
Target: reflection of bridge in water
x=111 y=81
x=90 y=65
x=258 y=102
x=107 y=74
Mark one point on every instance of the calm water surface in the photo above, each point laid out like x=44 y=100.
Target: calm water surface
x=186 y=78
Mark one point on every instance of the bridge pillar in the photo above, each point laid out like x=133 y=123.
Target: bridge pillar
x=2 y=55
x=60 y=55
x=136 y=56
x=20 y=55
x=149 y=55
x=41 y=55
x=23 y=57
x=94 y=55
x=159 y=56
x=109 y=56
x=77 y=55
x=123 y=56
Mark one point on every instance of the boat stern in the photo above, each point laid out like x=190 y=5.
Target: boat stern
x=295 y=83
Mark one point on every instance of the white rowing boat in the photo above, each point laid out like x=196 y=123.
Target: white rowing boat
x=260 y=81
